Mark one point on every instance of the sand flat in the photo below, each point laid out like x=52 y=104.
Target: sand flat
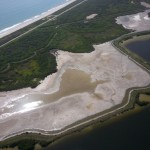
x=136 y=22
x=84 y=85
x=147 y=5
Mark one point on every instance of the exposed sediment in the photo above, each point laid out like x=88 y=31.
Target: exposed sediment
x=135 y=22
x=85 y=84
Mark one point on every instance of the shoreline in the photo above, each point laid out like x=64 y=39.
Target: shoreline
x=6 y=31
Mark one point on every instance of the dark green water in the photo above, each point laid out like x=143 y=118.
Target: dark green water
x=128 y=133
x=140 y=47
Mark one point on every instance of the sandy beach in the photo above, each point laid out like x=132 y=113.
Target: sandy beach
x=25 y=23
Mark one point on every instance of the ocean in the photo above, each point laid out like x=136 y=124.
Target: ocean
x=13 y=12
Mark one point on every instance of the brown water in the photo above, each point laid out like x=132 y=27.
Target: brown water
x=73 y=81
